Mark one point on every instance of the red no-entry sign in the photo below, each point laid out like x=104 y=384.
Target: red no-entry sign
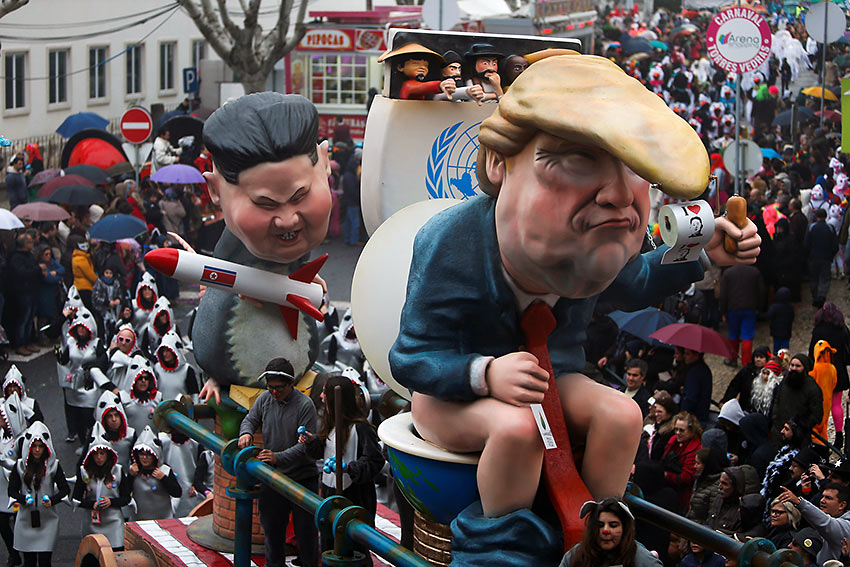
x=136 y=125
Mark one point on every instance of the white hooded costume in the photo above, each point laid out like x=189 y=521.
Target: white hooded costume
x=176 y=378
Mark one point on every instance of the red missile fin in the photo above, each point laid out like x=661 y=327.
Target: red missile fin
x=290 y=316
x=304 y=305
x=307 y=272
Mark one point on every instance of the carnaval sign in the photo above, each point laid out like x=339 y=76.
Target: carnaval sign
x=738 y=40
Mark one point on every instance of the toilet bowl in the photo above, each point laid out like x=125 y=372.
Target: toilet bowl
x=438 y=483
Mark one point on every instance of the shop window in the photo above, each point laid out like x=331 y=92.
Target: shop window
x=339 y=79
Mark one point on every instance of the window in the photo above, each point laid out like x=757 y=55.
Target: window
x=15 y=73
x=339 y=79
x=97 y=72
x=166 y=66
x=57 y=61
x=134 y=69
x=199 y=51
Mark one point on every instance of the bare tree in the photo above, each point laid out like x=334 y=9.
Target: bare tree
x=247 y=50
x=7 y=6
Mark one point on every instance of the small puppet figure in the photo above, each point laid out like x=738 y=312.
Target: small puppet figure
x=270 y=178
x=144 y=300
x=111 y=419
x=563 y=221
x=37 y=484
x=512 y=67
x=484 y=62
x=451 y=69
x=102 y=488
x=413 y=62
x=14 y=383
x=154 y=483
x=174 y=375
x=141 y=401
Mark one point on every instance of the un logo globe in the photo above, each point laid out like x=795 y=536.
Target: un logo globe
x=450 y=172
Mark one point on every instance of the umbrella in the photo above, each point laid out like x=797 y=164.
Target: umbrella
x=120 y=169
x=694 y=337
x=8 y=221
x=784 y=118
x=649 y=34
x=770 y=153
x=81 y=121
x=660 y=45
x=642 y=323
x=66 y=180
x=44 y=176
x=40 y=211
x=90 y=172
x=833 y=115
x=117 y=227
x=684 y=29
x=842 y=60
x=76 y=195
x=820 y=93
x=177 y=173
x=636 y=45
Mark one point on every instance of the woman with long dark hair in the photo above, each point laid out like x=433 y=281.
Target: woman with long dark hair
x=609 y=538
x=830 y=327
x=37 y=483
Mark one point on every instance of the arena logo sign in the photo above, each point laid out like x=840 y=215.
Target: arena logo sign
x=738 y=40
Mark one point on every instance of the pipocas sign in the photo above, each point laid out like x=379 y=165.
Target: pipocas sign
x=325 y=39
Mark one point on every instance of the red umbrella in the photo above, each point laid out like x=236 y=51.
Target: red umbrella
x=53 y=184
x=694 y=337
x=833 y=115
x=40 y=211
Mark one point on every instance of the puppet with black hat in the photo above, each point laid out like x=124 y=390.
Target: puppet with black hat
x=451 y=69
x=484 y=60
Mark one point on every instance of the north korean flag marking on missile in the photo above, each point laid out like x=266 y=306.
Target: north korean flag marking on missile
x=293 y=293
x=218 y=276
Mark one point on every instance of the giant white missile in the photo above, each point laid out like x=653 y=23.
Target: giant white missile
x=294 y=292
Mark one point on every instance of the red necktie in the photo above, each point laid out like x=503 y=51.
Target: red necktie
x=564 y=485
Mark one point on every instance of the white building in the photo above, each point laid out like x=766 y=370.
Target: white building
x=60 y=57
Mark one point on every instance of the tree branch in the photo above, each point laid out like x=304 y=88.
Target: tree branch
x=209 y=27
x=8 y=6
x=231 y=27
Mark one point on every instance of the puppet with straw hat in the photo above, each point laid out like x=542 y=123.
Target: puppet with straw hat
x=414 y=62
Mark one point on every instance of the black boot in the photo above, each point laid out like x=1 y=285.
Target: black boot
x=839 y=441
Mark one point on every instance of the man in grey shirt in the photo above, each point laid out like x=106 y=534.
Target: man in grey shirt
x=279 y=412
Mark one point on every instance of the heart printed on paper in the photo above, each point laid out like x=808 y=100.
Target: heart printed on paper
x=694 y=209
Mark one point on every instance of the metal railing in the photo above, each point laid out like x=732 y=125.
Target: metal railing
x=336 y=517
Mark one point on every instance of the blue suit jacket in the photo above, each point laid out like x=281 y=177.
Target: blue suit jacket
x=459 y=306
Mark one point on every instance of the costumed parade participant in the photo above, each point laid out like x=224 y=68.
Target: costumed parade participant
x=13 y=426
x=144 y=300
x=154 y=483
x=102 y=489
x=826 y=376
x=271 y=180
x=106 y=299
x=121 y=351
x=110 y=414
x=182 y=455
x=79 y=374
x=174 y=375
x=141 y=401
x=37 y=483
x=160 y=322
x=14 y=382
x=563 y=222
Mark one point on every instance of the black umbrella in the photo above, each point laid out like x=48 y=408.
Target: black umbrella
x=77 y=195
x=636 y=45
x=90 y=172
x=784 y=118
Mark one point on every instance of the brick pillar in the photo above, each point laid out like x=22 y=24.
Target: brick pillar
x=224 y=507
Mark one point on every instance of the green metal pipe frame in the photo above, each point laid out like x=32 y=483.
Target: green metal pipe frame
x=333 y=515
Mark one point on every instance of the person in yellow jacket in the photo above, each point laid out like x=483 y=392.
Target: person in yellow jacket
x=826 y=376
x=84 y=276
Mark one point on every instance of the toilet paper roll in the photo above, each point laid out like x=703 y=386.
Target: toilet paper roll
x=686 y=228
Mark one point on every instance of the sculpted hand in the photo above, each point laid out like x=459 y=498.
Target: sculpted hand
x=448 y=87
x=517 y=379
x=748 y=240
x=210 y=390
x=477 y=93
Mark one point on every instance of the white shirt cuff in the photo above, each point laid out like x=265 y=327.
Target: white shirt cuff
x=478 y=375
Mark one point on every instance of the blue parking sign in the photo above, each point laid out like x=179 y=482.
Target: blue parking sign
x=190 y=80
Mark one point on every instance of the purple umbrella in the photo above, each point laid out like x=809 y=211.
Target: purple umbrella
x=178 y=173
x=40 y=211
x=44 y=176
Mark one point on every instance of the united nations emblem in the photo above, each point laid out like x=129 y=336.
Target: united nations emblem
x=450 y=172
